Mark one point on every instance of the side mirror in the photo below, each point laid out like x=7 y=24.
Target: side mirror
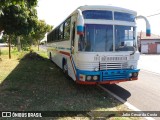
x=148 y=27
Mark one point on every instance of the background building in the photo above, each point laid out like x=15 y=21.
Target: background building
x=149 y=44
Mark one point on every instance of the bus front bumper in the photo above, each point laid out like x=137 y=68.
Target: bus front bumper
x=106 y=77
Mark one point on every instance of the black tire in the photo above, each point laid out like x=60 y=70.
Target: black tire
x=50 y=56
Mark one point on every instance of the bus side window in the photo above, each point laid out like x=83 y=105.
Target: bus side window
x=67 y=26
x=73 y=38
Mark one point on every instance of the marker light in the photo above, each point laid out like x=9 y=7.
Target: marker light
x=95 y=77
x=89 y=77
x=130 y=74
x=134 y=74
x=82 y=77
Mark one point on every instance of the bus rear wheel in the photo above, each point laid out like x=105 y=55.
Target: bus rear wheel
x=50 y=56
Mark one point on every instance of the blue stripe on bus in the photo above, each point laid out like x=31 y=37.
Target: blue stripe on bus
x=148 y=32
x=109 y=74
x=80 y=29
x=63 y=48
x=68 y=48
x=74 y=64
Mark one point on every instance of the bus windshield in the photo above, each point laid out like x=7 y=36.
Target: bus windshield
x=124 y=38
x=99 y=38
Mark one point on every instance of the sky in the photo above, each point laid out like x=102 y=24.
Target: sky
x=55 y=11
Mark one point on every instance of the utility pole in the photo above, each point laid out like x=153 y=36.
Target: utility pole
x=0 y=51
x=9 y=41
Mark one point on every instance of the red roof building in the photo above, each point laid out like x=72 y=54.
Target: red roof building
x=149 y=44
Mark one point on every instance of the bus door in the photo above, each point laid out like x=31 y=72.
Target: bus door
x=73 y=49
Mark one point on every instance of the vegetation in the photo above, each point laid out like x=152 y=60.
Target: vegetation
x=31 y=82
x=19 y=21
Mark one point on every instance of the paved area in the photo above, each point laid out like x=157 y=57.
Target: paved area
x=144 y=93
x=150 y=63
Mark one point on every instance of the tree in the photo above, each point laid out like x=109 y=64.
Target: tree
x=40 y=30
x=18 y=17
x=23 y=3
x=6 y=3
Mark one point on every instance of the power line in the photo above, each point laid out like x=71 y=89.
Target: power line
x=153 y=15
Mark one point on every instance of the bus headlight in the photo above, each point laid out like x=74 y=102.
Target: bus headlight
x=89 y=77
x=134 y=74
x=130 y=74
x=95 y=77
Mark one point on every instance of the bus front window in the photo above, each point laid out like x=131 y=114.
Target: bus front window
x=97 y=38
x=124 y=38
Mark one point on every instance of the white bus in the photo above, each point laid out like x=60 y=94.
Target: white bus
x=97 y=45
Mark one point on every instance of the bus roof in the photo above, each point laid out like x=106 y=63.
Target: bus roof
x=99 y=7
x=102 y=7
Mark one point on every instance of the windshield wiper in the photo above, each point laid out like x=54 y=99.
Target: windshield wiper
x=134 y=50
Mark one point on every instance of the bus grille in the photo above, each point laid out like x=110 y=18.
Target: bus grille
x=87 y=65
x=114 y=75
x=90 y=66
x=113 y=65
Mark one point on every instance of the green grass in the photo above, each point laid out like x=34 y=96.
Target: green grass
x=39 y=85
x=14 y=53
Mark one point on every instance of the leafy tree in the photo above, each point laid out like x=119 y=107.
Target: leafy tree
x=18 y=17
x=23 y=3
x=40 y=30
x=6 y=3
